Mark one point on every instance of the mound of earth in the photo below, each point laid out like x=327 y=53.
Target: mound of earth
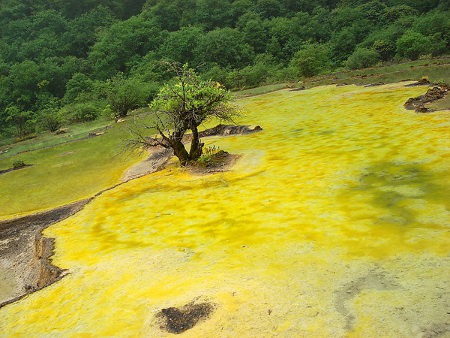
x=25 y=253
x=422 y=82
x=218 y=162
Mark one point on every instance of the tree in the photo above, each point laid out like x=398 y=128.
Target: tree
x=184 y=105
x=312 y=59
x=21 y=120
x=413 y=44
x=125 y=94
x=119 y=47
x=224 y=46
x=179 y=46
x=363 y=58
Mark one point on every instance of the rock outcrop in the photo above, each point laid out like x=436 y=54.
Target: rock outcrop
x=418 y=103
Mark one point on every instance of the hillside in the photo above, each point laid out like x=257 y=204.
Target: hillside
x=63 y=62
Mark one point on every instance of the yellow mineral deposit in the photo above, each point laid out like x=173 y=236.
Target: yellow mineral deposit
x=333 y=222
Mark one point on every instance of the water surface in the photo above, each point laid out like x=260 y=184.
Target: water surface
x=334 y=222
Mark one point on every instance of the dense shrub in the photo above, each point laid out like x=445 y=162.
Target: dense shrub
x=385 y=49
x=363 y=58
x=81 y=112
x=18 y=164
x=311 y=60
x=50 y=120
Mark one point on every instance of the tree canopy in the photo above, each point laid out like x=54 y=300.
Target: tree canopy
x=183 y=105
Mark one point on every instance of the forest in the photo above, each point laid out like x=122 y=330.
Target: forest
x=72 y=61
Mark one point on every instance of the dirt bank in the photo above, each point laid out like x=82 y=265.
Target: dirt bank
x=25 y=255
x=436 y=92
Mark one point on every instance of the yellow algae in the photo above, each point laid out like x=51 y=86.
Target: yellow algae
x=334 y=222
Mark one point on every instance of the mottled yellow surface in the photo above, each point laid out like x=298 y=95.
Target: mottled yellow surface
x=334 y=222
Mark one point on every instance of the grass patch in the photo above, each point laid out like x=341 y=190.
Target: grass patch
x=65 y=172
x=46 y=139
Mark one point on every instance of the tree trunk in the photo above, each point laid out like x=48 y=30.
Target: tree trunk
x=196 y=145
x=180 y=151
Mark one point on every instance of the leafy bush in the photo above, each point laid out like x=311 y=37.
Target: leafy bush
x=81 y=112
x=312 y=60
x=413 y=44
x=216 y=73
x=51 y=120
x=385 y=49
x=363 y=58
x=125 y=94
x=23 y=121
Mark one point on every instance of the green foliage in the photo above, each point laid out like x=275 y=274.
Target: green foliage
x=125 y=94
x=396 y=12
x=77 y=88
x=180 y=45
x=49 y=117
x=184 y=105
x=22 y=121
x=264 y=69
x=81 y=112
x=413 y=44
x=17 y=164
x=124 y=41
x=363 y=58
x=192 y=99
x=385 y=49
x=312 y=59
x=81 y=32
x=224 y=46
x=436 y=26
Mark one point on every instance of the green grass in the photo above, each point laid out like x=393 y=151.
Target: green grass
x=46 y=139
x=64 y=172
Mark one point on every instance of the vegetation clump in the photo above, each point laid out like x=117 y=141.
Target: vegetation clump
x=18 y=164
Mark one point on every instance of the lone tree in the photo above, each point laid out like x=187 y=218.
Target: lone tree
x=182 y=106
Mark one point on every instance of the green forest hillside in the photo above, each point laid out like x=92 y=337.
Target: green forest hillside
x=72 y=61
